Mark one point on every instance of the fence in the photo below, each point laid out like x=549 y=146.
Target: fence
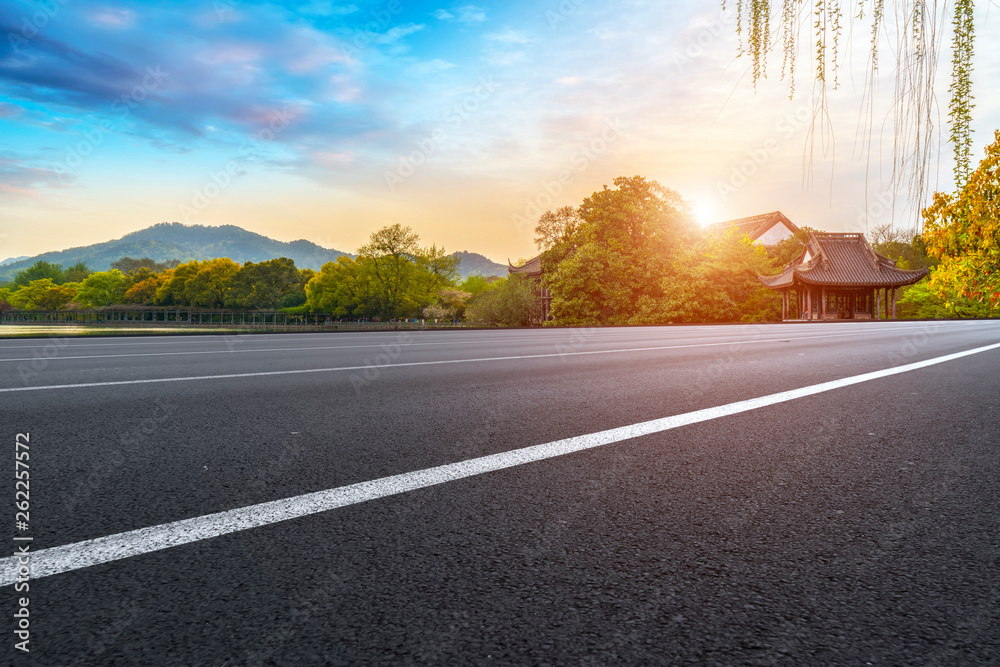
x=188 y=317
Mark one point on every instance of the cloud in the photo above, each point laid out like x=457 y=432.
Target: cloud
x=112 y=17
x=23 y=180
x=442 y=15
x=326 y=8
x=508 y=36
x=471 y=14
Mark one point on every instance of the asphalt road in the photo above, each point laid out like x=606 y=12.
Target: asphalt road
x=857 y=525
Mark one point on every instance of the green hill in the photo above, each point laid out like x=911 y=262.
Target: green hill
x=172 y=240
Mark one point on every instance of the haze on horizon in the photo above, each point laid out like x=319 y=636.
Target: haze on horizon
x=330 y=120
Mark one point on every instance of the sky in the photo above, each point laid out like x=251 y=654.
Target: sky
x=327 y=121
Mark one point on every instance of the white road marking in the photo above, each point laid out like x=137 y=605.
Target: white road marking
x=347 y=347
x=301 y=371
x=69 y=557
x=535 y=334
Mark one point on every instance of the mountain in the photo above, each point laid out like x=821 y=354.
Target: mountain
x=172 y=240
x=474 y=264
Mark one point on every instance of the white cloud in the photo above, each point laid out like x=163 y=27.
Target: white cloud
x=443 y=15
x=509 y=36
x=471 y=14
x=327 y=8
x=397 y=33
x=109 y=17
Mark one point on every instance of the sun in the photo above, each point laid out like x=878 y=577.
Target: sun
x=704 y=212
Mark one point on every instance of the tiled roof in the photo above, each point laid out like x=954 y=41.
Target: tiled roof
x=844 y=260
x=533 y=267
x=753 y=226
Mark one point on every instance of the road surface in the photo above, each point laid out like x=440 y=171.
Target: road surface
x=781 y=494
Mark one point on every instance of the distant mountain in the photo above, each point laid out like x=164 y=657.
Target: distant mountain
x=474 y=264
x=172 y=240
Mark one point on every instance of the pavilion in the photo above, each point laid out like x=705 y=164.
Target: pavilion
x=532 y=270
x=840 y=276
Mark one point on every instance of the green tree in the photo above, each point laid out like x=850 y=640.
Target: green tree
x=474 y=284
x=265 y=284
x=77 y=272
x=391 y=252
x=40 y=270
x=345 y=288
x=963 y=232
x=42 y=294
x=209 y=286
x=104 y=288
x=508 y=302
x=613 y=268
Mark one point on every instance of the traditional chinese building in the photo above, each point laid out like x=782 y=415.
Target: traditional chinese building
x=767 y=229
x=532 y=269
x=840 y=276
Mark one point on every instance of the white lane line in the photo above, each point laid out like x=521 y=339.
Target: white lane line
x=302 y=371
x=543 y=334
x=69 y=557
x=347 y=347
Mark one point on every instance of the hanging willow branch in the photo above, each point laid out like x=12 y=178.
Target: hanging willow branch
x=960 y=108
x=917 y=26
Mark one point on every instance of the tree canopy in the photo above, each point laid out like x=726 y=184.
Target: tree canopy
x=962 y=230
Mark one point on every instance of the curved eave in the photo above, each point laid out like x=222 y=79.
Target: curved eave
x=783 y=279
x=902 y=277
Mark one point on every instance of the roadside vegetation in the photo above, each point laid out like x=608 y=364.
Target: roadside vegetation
x=628 y=254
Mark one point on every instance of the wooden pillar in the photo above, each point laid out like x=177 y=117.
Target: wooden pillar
x=822 y=303
x=809 y=303
x=893 y=303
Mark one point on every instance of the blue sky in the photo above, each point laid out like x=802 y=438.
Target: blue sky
x=329 y=120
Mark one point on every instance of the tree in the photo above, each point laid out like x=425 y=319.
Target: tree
x=77 y=272
x=611 y=268
x=104 y=288
x=42 y=294
x=174 y=283
x=143 y=291
x=129 y=265
x=917 y=51
x=963 y=231
x=265 y=284
x=555 y=226
x=209 y=286
x=474 y=284
x=508 y=302
x=391 y=252
x=40 y=270
x=344 y=288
